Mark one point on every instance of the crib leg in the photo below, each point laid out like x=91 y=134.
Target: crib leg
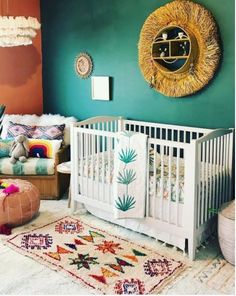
x=73 y=207
x=191 y=249
x=78 y=208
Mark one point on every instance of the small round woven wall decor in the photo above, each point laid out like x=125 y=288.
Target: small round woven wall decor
x=83 y=65
x=179 y=48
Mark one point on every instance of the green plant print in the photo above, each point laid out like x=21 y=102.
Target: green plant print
x=126 y=203
x=213 y=211
x=128 y=134
x=126 y=177
x=128 y=155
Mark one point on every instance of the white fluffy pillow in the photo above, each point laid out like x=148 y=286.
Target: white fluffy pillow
x=43 y=120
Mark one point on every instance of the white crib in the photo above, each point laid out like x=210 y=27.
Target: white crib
x=190 y=174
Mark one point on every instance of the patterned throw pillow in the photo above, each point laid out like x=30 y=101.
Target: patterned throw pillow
x=44 y=148
x=16 y=129
x=5 y=146
x=51 y=132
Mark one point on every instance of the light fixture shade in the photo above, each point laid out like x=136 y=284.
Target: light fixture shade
x=17 y=31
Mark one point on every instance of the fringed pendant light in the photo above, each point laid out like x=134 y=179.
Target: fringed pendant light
x=18 y=30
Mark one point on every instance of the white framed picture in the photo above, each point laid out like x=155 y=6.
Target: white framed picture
x=100 y=88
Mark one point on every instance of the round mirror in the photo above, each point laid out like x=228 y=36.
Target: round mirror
x=171 y=49
x=179 y=48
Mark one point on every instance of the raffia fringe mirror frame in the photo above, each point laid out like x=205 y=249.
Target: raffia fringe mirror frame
x=179 y=48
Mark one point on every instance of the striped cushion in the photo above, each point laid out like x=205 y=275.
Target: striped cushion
x=33 y=166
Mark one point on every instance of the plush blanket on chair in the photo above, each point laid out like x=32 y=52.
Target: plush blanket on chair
x=130 y=175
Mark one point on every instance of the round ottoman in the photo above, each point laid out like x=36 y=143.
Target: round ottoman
x=18 y=208
x=226 y=231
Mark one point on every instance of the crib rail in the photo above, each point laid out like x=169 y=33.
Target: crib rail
x=214 y=186
x=209 y=184
x=166 y=132
x=93 y=150
x=102 y=123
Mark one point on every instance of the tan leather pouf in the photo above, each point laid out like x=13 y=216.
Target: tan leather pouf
x=18 y=208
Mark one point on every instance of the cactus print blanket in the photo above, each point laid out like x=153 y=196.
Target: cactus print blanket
x=105 y=263
x=130 y=175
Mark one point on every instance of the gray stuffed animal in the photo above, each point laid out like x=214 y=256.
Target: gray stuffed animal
x=19 y=149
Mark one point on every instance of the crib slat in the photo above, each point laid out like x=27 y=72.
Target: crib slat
x=92 y=164
x=89 y=144
x=185 y=137
x=224 y=169
x=211 y=177
x=215 y=176
x=98 y=165
x=81 y=157
x=150 y=132
x=231 y=139
x=227 y=167
x=199 y=187
x=148 y=187
x=75 y=162
x=177 y=186
x=162 y=181
x=206 y=182
x=103 y=170
x=86 y=162
x=169 y=183
x=154 y=197
x=202 y=182
x=108 y=182
x=218 y=173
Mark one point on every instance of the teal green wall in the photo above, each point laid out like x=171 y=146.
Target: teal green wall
x=109 y=31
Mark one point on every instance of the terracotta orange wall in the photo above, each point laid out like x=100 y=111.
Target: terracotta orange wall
x=21 y=67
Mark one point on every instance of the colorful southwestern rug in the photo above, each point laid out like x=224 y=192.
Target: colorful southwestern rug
x=105 y=263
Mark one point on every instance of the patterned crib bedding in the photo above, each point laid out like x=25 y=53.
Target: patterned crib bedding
x=103 y=167
x=173 y=186
x=33 y=166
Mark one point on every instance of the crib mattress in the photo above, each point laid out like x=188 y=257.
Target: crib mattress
x=103 y=169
